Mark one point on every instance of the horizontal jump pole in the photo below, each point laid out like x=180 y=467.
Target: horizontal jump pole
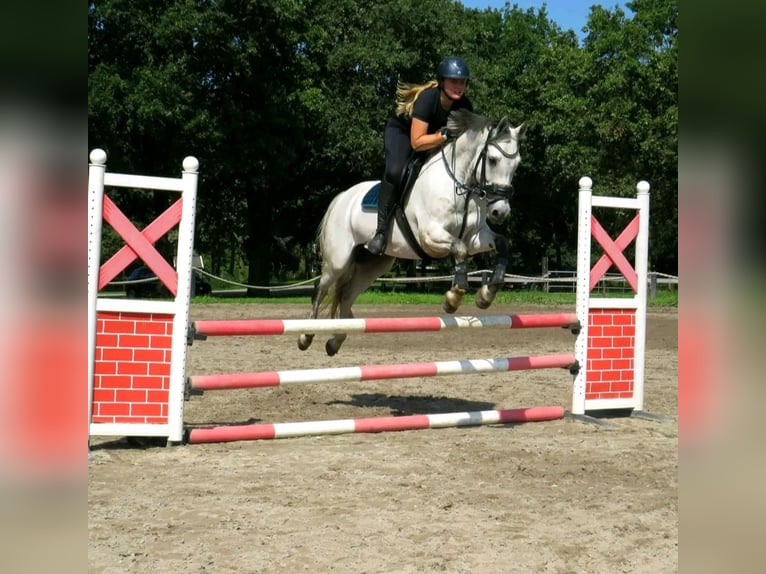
x=372 y=425
x=237 y=327
x=378 y=372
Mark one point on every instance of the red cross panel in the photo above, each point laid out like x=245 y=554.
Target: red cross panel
x=132 y=371
x=613 y=253
x=140 y=244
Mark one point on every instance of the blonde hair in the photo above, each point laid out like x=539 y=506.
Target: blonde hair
x=406 y=94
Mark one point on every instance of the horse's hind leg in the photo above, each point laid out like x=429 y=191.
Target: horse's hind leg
x=366 y=270
x=305 y=339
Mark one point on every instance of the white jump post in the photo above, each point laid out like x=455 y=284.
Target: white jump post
x=137 y=348
x=611 y=344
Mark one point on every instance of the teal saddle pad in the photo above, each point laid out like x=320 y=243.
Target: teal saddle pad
x=370 y=199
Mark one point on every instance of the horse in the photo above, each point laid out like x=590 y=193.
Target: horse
x=457 y=191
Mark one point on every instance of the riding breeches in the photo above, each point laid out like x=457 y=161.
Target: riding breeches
x=398 y=152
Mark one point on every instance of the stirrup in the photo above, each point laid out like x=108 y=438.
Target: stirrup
x=377 y=245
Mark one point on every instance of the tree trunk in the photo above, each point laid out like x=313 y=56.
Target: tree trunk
x=259 y=242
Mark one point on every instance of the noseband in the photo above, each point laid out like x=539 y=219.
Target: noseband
x=493 y=192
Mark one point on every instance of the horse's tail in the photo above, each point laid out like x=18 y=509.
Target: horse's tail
x=322 y=229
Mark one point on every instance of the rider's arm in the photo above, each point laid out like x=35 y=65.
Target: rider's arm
x=420 y=139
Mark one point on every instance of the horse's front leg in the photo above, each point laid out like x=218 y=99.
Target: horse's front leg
x=487 y=292
x=441 y=244
x=454 y=296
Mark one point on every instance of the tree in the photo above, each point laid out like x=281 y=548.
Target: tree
x=212 y=78
x=633 y=99
x=284 y=104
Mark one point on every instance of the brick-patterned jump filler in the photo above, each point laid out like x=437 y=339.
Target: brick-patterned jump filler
x=611 y=344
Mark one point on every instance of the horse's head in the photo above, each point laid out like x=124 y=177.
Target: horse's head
x=493 y=148
x=499 y=159
x=501 y=151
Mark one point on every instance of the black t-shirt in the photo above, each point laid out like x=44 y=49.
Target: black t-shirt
x=428 y=109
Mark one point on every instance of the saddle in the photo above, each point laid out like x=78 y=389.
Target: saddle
x=411 y=172
x=370 y=202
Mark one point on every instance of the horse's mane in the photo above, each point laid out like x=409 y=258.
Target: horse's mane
x=464 y=120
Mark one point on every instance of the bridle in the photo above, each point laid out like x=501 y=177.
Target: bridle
x=479 y=187
x=492 y=193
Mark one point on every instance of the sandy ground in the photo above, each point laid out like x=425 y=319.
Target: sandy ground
x=560 y=496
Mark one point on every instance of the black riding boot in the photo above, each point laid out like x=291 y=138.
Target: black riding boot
x=386 y=201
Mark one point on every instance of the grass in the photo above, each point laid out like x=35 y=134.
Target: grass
x=664 y=299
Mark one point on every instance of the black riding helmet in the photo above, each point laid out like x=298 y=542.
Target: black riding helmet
x=452 y=67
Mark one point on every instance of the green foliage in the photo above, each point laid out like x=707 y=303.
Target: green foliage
x=284 y=103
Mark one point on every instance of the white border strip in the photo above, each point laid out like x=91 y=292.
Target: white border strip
x=128 y=429
x=615 y=202
x=136 y=306
x=617 y=303
x=143 y=182
x=609 y=404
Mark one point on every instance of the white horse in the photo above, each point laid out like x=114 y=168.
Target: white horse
x=447 y=210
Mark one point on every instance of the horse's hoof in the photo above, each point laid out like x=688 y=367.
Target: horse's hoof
x=484 y=297
x=452 y=300
x=483 y=303
x=304 y=341
x=330 y=348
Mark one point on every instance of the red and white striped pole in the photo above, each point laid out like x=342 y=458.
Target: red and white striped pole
x=237 y=327
x=378 y=372
x=372 y=425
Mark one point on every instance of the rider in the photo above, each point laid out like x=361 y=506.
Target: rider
x=418 y=126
